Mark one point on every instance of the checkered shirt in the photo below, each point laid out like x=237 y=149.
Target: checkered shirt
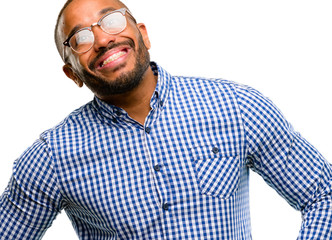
x=183 y=175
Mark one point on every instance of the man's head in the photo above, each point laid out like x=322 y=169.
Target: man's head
x=114 y=63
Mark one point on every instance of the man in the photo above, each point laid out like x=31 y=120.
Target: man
x=155 y=156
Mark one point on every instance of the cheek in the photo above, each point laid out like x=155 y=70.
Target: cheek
x=77 y=63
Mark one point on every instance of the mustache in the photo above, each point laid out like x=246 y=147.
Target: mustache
x=102 y=51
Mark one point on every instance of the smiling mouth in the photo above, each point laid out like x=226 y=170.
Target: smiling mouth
x=113 y=57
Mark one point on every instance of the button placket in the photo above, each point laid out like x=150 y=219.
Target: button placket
x=156 y=167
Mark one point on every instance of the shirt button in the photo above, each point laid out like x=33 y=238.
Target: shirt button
x=165 y=206
x=147 y=130
x=215 y=150
x=157 y=168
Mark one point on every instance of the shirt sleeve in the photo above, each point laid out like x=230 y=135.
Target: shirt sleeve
x=288 y=163
x=32 y=200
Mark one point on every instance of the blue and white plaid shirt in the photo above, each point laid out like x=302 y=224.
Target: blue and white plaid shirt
x=183 y=175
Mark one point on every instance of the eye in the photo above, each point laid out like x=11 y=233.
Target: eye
x=83 y=37
x=110 y=22
x=113 y=23
x=82 y=40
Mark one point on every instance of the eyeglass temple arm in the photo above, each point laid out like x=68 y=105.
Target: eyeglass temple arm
x=129 y=13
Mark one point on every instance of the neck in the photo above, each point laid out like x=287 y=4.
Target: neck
x=136 y=102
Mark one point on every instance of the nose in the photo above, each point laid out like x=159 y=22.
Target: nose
x=102 y=39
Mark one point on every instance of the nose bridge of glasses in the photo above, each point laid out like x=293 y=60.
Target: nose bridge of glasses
x=97 y=24
x=100 y=36
x=94 y=24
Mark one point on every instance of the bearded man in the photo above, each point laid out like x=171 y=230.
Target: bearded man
x=156 y=156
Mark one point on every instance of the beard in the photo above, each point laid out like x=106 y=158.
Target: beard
x=103 y=87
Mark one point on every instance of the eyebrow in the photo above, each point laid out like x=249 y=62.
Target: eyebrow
x=79 y=26
x=105 y=10
x=75 y=29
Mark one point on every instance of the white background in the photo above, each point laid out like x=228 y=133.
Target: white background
x=282 y=48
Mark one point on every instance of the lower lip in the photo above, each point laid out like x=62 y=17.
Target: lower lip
x=116 y=62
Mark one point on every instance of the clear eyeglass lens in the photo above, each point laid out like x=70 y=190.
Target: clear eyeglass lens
x=113 y=23
x=82 y=40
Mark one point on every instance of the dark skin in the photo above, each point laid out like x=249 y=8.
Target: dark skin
x=135 y=102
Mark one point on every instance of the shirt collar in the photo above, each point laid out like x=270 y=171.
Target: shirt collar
x=158 y=99
x=163 y=85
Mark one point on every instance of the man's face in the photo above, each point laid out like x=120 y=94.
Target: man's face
x=116 y=63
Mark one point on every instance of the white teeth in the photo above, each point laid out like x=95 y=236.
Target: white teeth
x=113 y=57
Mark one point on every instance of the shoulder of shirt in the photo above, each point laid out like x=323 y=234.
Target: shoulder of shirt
x=221 y=82
x=82 y=115
x=237 y=91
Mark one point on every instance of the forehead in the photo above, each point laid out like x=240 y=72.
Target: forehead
x=86 y=12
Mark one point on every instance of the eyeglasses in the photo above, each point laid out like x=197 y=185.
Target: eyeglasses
x=114 y=22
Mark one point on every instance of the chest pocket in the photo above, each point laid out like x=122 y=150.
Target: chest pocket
x=217 y=175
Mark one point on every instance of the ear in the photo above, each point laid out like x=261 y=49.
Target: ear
x=142 y=28
x=67 y=69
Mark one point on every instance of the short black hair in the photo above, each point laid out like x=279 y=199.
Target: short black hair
x=57 y=38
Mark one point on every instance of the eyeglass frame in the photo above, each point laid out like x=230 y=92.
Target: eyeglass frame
x=121 y=10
